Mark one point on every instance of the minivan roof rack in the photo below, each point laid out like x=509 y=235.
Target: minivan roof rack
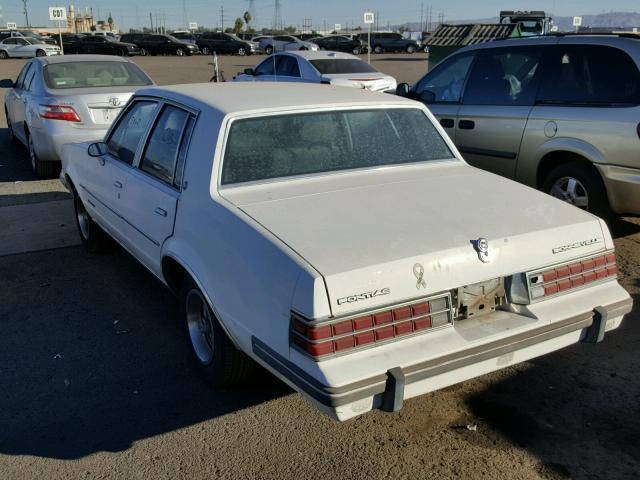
x=595 y=34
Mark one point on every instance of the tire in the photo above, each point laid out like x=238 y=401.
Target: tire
x=94 y=239
x=13 y=140
x=356 y=51
x=579 y=185
x=206 y=50
x=268 y=50
x=41 y=53
x=377 y=49
x=242 y=52
x=122 y=53
x=143 y=52
x=180 y=52
x=220 y=362
x=40 y=168
x=3 y=55
x=411 y=49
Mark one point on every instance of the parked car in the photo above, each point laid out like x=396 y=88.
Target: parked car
x=104 y=45
x=220 y=42
x=339 y=43
x=390 y=42
x=280 y=43
x=527 y=109
x=63 y=99
x=337 y=238
x=27 y=34
x=23 y=47
x=305 y=37
x=329 y=68
x=110 y=35
x=133 y=37
x=71 y=43
x=165 y=45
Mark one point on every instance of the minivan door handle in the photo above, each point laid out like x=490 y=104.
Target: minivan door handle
x=447 y=122
x=466 y=124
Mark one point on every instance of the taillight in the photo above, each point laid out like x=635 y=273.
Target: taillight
x=320 y=339
x=562 y=278
x=59 y=112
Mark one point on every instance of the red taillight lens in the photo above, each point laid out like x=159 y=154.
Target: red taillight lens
x=319 y=340
x=59 y=112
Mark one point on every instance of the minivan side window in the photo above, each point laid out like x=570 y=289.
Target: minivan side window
x=444 y=84
x=589 y=75
x=504 y=77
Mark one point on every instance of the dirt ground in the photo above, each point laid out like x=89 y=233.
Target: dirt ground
x=96 y=382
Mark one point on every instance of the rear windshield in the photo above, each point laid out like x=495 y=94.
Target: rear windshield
x=94 y=74
x=270 y=147
x=342 y=65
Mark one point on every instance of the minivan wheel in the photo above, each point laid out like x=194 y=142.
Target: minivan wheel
x=356 y=51
x=411 y=49
x=92 y=236
x=206 y=50
x=268 y=50
x=377 y=49
x=580 y=186
x=219 y=360
x=242 y=52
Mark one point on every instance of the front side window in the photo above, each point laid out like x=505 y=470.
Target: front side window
x=159 y=159
x=123 y=142
x=269 y=147
x=267 y=67
x=445 y=82
x=504 y=77
x=590 y=75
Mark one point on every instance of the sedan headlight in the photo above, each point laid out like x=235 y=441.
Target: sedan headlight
x=530 y=287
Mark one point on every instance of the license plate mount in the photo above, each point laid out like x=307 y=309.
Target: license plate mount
x=480 y=298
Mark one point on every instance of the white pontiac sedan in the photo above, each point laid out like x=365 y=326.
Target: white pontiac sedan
x=328 y=68
x=337 y=238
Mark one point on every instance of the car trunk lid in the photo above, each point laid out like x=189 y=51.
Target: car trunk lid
x=97 y=108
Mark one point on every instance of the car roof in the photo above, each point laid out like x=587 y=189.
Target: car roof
x=581 y=39
x=318 y=54
x=80 y=58
x=236 y=97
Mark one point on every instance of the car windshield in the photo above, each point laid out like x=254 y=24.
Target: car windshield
x=171 y=37
x=342 y=65
x=279 y=146
x=94 y=74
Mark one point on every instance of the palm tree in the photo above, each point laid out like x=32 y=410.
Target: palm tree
x=247 y=18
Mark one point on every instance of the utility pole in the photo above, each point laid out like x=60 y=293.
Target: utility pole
x=222 y=18
x=26 y=13
x=254 y=14
x=151 y=20
x=184 y=13
x=422 y=16
x=277 y=17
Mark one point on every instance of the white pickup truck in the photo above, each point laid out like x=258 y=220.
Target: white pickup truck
x=336 y=237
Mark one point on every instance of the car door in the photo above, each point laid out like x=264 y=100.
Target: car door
x=18 y=99
x=498 y=98
x=153 y=188
x=441 y=90
x=24 y=49
x=103 y=179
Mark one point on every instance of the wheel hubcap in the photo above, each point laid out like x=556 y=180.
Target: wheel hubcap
x=83 y=219
x=200 y=326
x=180 y=53
x=241 y=51
x=571 y=191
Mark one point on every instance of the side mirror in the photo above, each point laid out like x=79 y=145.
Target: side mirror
x=402 y=90
x=7 y=83
x=249 y=71
x=428 y=96
x=97 y=149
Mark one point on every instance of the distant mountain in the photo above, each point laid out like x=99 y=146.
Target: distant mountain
x=626 y=20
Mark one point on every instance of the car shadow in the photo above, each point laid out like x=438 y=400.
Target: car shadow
x=581 y=421
x=14 y=161
x=94 y=358
x=621 y=227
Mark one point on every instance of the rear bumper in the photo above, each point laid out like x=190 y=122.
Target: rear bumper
x=48 y=141
x=623 y=188
x=388 y=390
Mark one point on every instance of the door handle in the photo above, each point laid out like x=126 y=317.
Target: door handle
x=447 y=122
x=466 y=124
x=117 y=184
x=160 y=211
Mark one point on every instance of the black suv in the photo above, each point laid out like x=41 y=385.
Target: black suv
x=390 y=42
x=163 y=44
x=338 y=43
x=186 y=37
x=98 y=44
x=224 y=43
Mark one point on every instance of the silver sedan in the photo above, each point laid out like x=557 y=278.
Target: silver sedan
x=280 y=43
x=58 y=100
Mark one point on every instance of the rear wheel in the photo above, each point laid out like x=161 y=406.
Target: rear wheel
x=219 y=360
x=180 y=52
x=143 y=52
x=268 y=50
x=40 y=168
x=579 y=185
x=122 y=53
x=206 y=50
x=3 y=55
x=411 y=49
x=242 y=52
x=92 y=236
x=377 y=49
x=356 y=51
x=12 y=137
x=40 y=53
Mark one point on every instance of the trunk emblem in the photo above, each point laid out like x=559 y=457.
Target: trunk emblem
x=114 y=101
x=482 y=247
x=418 y=272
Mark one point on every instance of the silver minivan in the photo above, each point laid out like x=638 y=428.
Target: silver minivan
x=558 y=113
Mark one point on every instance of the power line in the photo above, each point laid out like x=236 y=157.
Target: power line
x=277 y=17
x=184 y=13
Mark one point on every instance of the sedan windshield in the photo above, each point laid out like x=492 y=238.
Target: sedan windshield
x=269 y=147
x=342 y=65
x=94 y=74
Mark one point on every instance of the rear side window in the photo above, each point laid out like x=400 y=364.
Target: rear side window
x=504 y=77
x=269 y=147
x=124 y=140
x=159 y=159
x=287 y=66
x=590 y=75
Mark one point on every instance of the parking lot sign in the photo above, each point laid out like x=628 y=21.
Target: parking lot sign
x=193 y=26
x=337 y=27
x=58 y=14
x=12 y=25
x=577 y=21
x=368 y=17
